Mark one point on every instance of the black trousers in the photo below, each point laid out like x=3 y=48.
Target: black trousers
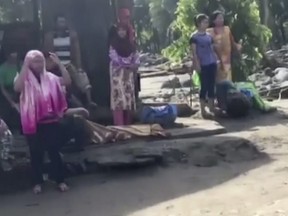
x=47 y=139
x=207 y=81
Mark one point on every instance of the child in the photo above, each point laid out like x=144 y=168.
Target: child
x=205 y=63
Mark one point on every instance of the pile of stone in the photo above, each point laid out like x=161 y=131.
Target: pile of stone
x=277 y=58
x=272 y=83
x=156 y=65
x=273 y=80
x=148 y=59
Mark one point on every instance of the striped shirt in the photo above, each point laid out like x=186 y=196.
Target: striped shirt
x=62 y=47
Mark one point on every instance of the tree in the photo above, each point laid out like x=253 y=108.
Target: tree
x=153 y=19
x=243 y=18
x=276 y=17
x=16 y=10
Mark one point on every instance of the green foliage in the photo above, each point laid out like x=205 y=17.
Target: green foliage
x=15 y=11
x=153 y=19
x=243 y=18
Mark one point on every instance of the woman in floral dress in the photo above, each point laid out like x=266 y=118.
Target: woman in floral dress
x=124 y=62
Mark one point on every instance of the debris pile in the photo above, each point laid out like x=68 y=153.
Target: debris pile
x=156 y=65
x=273 y=80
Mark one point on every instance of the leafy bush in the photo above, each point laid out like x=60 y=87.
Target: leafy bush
x=244 y=20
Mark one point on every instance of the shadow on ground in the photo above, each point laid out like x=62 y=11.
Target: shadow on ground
x=112 y=192
x=254 y=120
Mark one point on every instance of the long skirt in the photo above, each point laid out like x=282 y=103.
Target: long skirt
x=122 y=88
x=123 y=101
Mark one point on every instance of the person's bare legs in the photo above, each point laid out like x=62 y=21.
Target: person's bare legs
x=118 y=116
x=128 y=117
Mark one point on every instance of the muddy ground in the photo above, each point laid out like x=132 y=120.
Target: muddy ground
x=255 y=187
x=199 y=177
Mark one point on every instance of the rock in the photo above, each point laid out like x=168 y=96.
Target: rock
x=269 y=72
x=172 y=83
x=187 y=83
x=281 y=74
x=202 y=156
x=267 y=81
x=237 y=151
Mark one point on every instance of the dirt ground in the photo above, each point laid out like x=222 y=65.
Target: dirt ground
x=251 y=188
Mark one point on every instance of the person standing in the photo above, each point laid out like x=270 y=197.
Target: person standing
x=42 y=105
x=9 y=105
x=224 y=43
x=205 y=63
x=124 y=19
x=124 y=62
x=65 y=43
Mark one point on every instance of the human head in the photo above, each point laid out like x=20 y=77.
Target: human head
x=11 y=56
x=238 y=105
x=35 y=61
x=61 y=22
x=217 y=19
x=201 y=21
x=122 y=31
x=124 y=16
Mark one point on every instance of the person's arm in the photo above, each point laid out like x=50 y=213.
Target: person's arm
x=66 y=79
x=20 y=79
x=48 y=42
x=7 y=95
x=195 y=60
x=216 y=50
x=114 y=58
x=76 y=52
x=238 y=46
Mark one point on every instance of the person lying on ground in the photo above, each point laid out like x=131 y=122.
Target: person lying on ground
x=65 y=43
x=42 y=106
x=231 y=101
x=243 y=91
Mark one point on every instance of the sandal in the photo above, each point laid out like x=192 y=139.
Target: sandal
x=37 y=189
x=63 y=187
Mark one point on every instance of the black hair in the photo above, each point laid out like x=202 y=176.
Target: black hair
x=214 y=16
x=199 y=18
x=238 y=105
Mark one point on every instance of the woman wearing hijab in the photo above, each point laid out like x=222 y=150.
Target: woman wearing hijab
x=124 y=19
x=124 y=62
x=42 y=105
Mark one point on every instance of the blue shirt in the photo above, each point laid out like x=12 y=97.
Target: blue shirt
x=204 y=48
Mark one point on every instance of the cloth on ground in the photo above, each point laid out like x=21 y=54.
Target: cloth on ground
x=100 y=134
x=164 y=115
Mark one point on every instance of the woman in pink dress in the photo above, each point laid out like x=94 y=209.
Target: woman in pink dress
x=42 y=105
x=124 y=62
